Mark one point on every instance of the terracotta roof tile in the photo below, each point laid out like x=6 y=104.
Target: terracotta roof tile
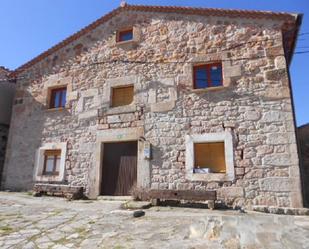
x=287 y=17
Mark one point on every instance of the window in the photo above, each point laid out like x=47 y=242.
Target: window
x=209 y=158
x=210 y=153
x=125 y=35
x=208 y=75
x=122 y=96
x=51 y=162
x=58 y=97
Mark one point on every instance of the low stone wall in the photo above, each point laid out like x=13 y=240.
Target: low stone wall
x=281 y=210
x=70 y=192
x=4 y=132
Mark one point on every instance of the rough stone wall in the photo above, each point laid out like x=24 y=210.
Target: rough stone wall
x=254 y=105
x=303 y=137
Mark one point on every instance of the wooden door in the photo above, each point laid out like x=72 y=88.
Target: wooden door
x=119 y=170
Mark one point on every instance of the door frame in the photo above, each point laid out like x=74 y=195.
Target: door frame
x=114 y=136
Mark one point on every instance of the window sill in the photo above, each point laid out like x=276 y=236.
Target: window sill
x=48 y=178
x=211 y=177
x=207 y=89
x=122 y=109
x=129 y=44
x=56 y=109
x=50 y=175
x=202 y=171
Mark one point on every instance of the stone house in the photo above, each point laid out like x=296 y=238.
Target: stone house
x=7 y=89
x=303 y=139
x=162 y=98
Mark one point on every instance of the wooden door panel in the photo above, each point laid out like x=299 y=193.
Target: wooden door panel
x=119 y=170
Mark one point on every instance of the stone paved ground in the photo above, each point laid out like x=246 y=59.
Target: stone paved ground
x=47 y=222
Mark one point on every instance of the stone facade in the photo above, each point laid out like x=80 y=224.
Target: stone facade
x=253 y=106
x=7 y=89
x=303 y=138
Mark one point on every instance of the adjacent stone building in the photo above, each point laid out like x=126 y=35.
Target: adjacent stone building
x=7 y=89
x=303 y=138
x=162 y=98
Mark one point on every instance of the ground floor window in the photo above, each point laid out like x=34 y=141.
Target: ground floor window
x=209 y=158
x=52 y=162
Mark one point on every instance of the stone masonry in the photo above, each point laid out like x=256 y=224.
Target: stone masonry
x=254 y=105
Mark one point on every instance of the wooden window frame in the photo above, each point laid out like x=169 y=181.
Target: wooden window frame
x=122 y=32
x=56 y=154
x=53 y=92
x=209 y=143
x=119 y=87
x=208 y=70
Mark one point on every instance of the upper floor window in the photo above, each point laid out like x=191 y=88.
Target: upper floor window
x=58 y=97
x=122 y=95
x=125 y=35
x=208 y=75
x=51 y=162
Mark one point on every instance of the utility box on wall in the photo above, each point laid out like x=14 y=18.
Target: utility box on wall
x=147 y=150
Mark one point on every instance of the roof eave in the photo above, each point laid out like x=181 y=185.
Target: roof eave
x=298 y=22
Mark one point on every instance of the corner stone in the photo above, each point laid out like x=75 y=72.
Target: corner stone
x=275 y=184
x=277 y=160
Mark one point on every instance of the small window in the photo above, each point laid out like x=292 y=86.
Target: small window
x=125 y=35
x=209 y=158
x=209 y=75
x=51 y=162
x=122 y=96
x=58 y=97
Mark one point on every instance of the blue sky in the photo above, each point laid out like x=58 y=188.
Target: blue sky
x=29 y=27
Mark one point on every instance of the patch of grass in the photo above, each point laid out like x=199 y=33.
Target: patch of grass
x=34 y=238
x=5 y=230
x=86 y=201
x=55 y=212
x=29 y=193
x=62 y=241
x=91 y=222
x=118 y=247
x=80 y=230
x=10 y=215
